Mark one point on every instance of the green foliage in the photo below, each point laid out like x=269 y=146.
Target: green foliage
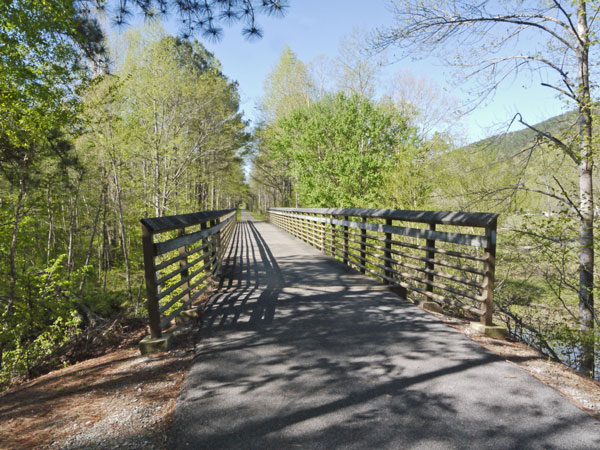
x=43 y=321
x=289 y=86
x=41 y=51
x=379 y=147
x=344 y=151
x=567 y=339
x=341 y=149
x=206 y=17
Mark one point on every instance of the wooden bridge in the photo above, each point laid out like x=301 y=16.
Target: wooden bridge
x=299 y=349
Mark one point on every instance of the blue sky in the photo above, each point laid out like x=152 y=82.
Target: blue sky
x=315 y=27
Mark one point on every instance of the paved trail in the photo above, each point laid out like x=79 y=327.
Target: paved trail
x=298 y=351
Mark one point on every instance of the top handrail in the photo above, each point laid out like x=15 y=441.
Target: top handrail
x=169 y=223
x=473 y=219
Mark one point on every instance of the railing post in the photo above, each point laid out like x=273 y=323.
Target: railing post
x=185 y=273
x=387 y=254
x=206 y=251
x=490 y=268
x=332 y=243
x=363 y=246
x=216 y=246
x=151 y=286
x=429 y=265
x=295 y=225
x=323 y=234
x=346 y=243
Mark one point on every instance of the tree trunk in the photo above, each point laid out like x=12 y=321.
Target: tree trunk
x=50 y=227
x=586 y=200
x=156 y=183
x=104 y=254
x=12 y=289
x=122 y=229
x=145 y=183
x=73 y=200
x=94 y=228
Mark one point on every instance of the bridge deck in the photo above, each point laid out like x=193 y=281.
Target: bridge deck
x=297 y=351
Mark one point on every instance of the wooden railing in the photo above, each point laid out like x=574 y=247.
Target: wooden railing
x=447 y=257
x=181 y=256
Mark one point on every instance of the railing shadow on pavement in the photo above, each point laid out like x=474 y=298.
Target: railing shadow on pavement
x=315 y=295
x=250 y=283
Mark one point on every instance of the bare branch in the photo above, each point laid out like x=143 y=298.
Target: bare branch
x=541 y=236
x=520 y=187
x=564 y=147
x=526 y=59
x=441 y=25
x=572 y=26
x=562 y=91
x=567 y=197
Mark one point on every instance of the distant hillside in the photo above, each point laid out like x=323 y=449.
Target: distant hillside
x=483 y=175
x=516 y=140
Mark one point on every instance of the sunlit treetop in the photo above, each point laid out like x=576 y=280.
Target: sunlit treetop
x=204 y=18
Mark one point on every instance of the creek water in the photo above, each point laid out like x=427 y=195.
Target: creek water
x=567 y=353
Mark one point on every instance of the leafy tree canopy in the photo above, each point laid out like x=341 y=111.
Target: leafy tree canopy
x=341 y=149
x=43 y=46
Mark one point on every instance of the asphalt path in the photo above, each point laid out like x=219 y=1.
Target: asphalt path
x=298 y=351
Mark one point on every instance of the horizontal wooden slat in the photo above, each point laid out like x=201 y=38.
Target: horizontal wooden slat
x=195 y=284
x=430 y=283
x=179 y=296
x=454 y=238
x=168 y=223
x=474 y=219
x=215 y=238
x=170 y=275
x=425 y=248
x=171 y=288
x=168 y=262
x=319 y=231
x=175 y=313
x=181 y=241
x=422 y=258
x=432 y=295
x=438 y=273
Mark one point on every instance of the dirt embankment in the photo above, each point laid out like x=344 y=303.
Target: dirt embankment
x=119 y=400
